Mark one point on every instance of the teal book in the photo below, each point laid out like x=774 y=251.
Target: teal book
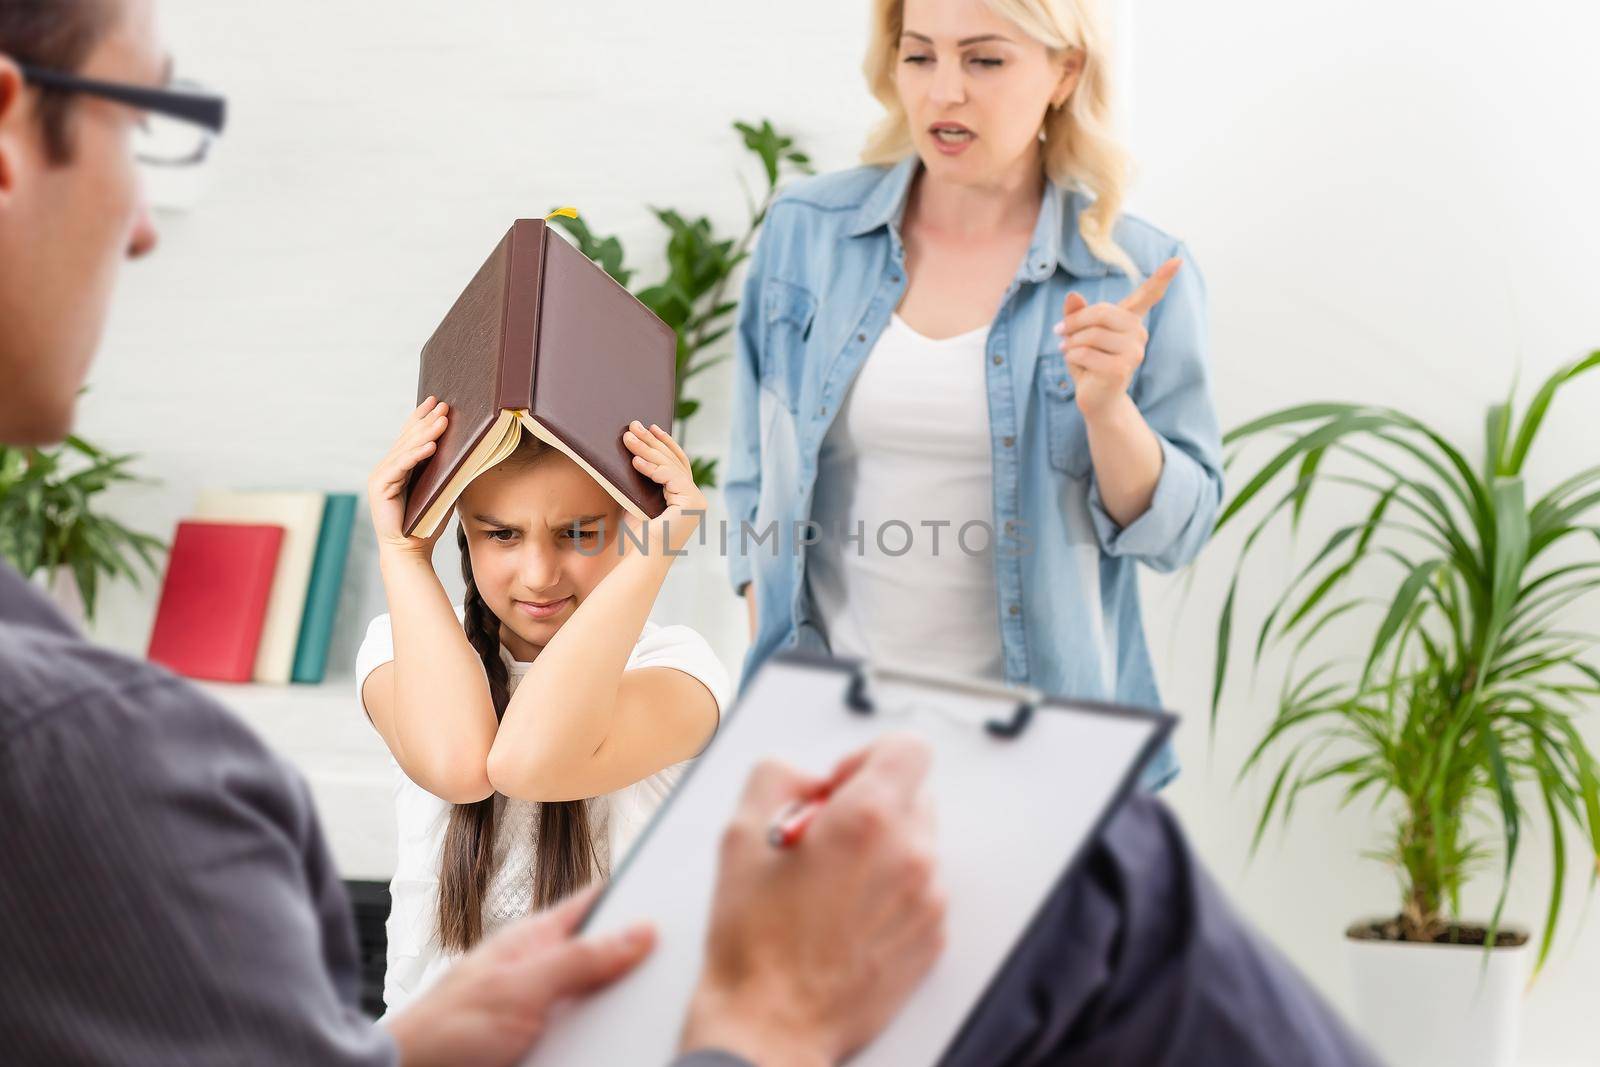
x=322 y=596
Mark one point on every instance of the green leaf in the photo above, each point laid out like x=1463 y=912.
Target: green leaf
x=1558 y=878
x=1399 y=609
x=711 y=338
x=1318 y=438
x=1224 y=628
x=1308 y=474
x=1272 y=802
x=1540 y=404
x=1224 y=637
x=606 y=251
x=704 y=472
x=84 y=572
x=703 y=365
x=1494 y=454
x=765 y=142
x=1287 y=417
x=1509 y=817
x=1510 y=553
x=712 y=314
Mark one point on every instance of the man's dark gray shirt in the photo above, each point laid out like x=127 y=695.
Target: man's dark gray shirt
x=166 y=895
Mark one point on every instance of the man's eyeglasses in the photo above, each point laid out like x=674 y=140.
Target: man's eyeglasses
x=179 y=123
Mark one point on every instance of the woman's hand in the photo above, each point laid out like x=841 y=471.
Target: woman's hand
x=386 y=487
x=658 y=457
x=1104 y=344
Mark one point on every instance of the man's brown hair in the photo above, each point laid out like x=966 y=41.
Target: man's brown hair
x=56 y=35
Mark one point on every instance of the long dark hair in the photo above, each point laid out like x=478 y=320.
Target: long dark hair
x=564 y=853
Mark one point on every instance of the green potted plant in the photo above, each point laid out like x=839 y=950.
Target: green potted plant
x=1463 y=703
x=51 y=531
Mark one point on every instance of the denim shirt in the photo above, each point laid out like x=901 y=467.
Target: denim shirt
x=827 y=274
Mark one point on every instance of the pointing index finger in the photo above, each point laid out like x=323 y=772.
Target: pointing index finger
x=1149 y=294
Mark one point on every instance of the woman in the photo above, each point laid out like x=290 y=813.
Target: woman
x=537 y=729
x=966 y=338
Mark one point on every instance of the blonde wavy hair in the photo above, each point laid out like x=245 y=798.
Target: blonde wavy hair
x=1079 y=149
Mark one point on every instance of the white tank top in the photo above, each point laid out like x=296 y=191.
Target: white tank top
x=907 y=462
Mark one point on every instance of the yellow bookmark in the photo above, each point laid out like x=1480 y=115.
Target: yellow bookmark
x=564 y=212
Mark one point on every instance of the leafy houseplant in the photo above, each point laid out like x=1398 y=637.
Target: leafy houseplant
x=700 y=263
x=47 y=518
x=1467 y=698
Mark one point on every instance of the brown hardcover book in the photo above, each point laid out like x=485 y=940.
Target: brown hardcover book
x=542 y=341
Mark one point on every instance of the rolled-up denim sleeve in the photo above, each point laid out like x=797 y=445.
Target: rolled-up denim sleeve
x=1173 y=392
x=741 y=487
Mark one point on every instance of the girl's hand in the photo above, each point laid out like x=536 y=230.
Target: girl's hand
x=1104 y=344
x=657 y=456
x=386 y=488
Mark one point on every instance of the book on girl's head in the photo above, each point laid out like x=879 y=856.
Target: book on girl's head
x=542 y=341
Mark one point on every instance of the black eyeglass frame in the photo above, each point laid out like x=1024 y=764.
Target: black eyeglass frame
x=202 y=109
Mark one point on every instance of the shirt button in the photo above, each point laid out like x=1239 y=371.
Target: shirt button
x=894 y=278
x=1016 y=609
x=1008 y=441
x=824 y=410
x=861 y=337
x=999 y=360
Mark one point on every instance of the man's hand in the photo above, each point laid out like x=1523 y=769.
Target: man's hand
x=812 y=949
x=491 y=1006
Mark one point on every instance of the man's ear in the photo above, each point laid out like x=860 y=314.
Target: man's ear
x=13 y=120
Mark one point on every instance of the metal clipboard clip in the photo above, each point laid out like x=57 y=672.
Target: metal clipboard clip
x=866 y=680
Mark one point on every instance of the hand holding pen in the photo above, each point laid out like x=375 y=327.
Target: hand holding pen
x=841 y=970
x=788 y=823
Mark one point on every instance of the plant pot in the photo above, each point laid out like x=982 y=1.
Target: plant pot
x=1432 y=1005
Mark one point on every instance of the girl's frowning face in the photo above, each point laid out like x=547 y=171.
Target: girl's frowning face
x=541 y=534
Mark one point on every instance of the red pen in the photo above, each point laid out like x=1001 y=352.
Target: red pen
x=791 y=821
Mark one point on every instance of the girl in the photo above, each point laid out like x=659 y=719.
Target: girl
x=945 y=364
x=538 y=727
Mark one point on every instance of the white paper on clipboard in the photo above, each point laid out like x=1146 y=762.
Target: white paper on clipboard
x=1012 y=814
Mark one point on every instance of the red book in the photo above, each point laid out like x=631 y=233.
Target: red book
x=214 y=599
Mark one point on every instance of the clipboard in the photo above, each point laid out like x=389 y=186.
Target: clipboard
x=1021 y=784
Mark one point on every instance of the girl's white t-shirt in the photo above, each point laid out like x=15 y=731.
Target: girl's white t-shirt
x=415 y=958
